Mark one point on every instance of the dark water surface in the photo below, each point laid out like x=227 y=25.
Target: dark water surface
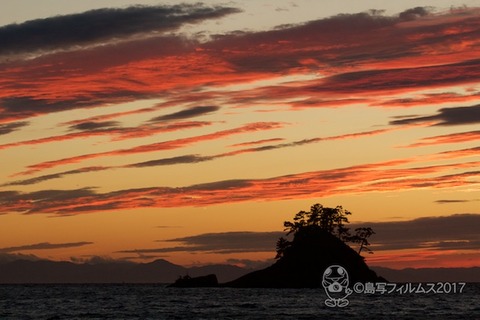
x=158 y=302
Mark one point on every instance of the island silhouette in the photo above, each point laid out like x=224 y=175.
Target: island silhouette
x=320 y=239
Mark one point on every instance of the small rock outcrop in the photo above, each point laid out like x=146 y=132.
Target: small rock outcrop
x=194 y=282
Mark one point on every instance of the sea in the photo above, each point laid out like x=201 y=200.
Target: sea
x=156 y=301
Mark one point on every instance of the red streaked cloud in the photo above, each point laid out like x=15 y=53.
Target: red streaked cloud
x=115 y=133
x=364 y=83
x=124 y=72
x=350 y=180
x=312 y=141
x=166 y=145
x=191 y=159
x=458 y=153
x=429 y=99
x=251 y=143
x=447 y=138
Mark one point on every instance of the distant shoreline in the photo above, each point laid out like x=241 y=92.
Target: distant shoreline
x=161 y=272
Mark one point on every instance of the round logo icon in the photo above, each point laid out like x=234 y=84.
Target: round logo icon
x=335 y=282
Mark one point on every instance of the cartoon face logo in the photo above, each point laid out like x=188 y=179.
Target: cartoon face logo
x=335 y=282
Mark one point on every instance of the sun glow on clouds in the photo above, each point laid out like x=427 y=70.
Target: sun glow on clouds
x=144 y=117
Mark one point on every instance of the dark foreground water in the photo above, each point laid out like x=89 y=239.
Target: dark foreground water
x=158 y=302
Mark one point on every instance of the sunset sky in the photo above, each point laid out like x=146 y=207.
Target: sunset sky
x=190 y=131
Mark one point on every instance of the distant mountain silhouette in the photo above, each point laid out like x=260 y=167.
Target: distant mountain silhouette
x=302 y=265
x=430 y=274
x=158 y=271
x=34 y=270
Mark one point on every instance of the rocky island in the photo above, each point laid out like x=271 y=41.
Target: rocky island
x=320 y=238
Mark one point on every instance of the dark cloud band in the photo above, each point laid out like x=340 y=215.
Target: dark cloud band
x=446 y=117
x=10 y=127
x=457 y=231
x=187 y=113
x=101 y=25
x=45 y=246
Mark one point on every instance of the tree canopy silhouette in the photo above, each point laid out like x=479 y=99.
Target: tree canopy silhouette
x=331 y=220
